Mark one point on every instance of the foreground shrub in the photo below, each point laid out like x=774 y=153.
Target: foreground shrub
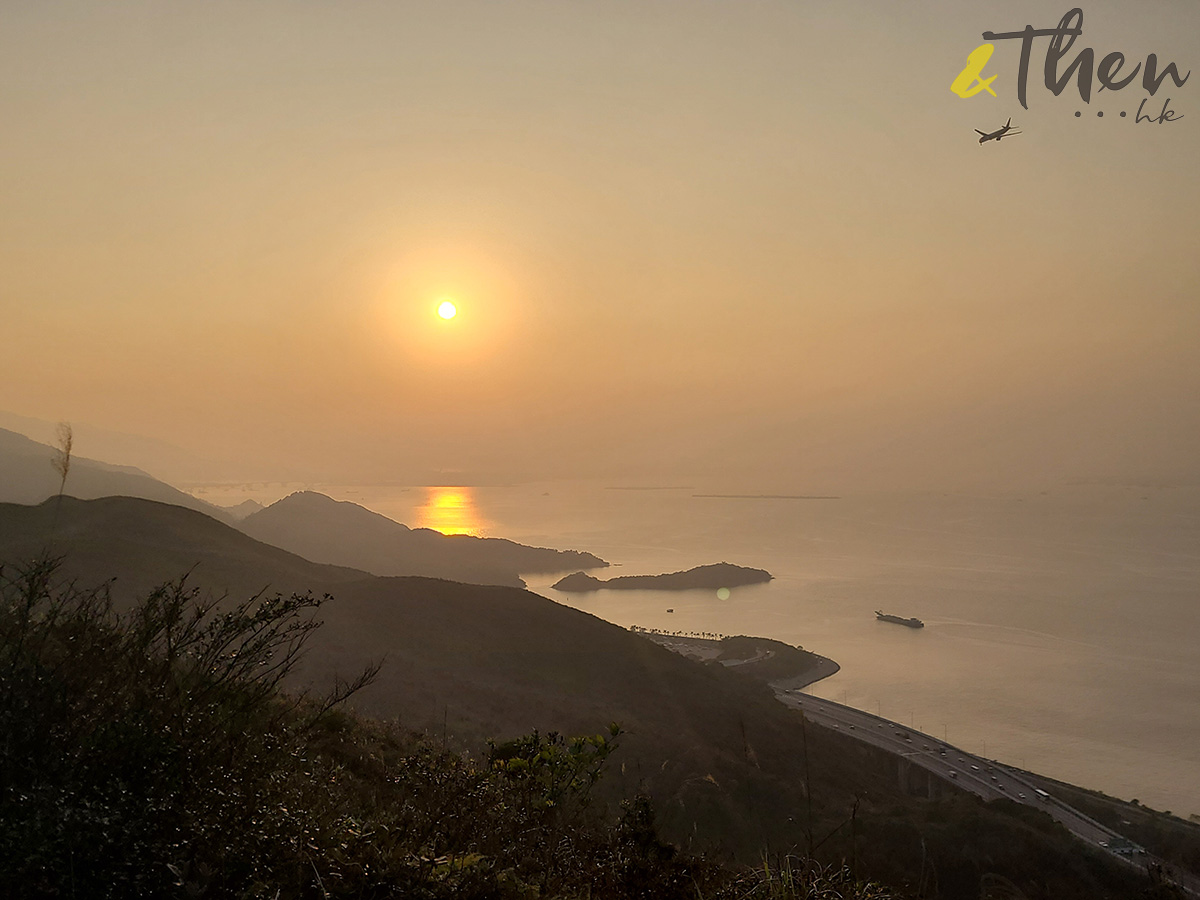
x=154 y=754
x=135 y=742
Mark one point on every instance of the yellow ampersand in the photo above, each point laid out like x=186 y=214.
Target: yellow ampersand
x=968 y=83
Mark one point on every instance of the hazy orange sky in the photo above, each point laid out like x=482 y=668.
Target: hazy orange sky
x=753 y=242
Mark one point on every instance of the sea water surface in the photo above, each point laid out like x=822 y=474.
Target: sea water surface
x=1062 y=627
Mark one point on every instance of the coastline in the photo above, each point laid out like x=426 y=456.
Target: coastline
x=711 y=649
x=823 y=669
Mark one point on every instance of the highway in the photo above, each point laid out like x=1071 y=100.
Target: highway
x=983 y=777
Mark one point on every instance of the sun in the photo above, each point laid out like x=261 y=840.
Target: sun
x=447 y=310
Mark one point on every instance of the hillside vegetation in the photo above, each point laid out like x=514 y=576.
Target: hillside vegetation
x=180 y=769
x=1173 y=839
x=728 y=770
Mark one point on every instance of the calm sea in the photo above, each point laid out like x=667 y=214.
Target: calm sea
x=1062 y=628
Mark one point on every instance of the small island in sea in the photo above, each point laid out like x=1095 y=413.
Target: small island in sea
x=718 y=575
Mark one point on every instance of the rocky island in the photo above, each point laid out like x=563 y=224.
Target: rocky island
x=719 y=575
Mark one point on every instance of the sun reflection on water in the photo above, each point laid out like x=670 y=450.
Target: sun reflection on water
x=450 y=510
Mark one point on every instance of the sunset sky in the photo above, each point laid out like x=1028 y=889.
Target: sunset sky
x=754 y=243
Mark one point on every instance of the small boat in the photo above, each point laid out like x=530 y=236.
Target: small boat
x=914 y=622
x=672 y=609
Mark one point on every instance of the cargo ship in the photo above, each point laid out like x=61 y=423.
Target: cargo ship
x=914 y=622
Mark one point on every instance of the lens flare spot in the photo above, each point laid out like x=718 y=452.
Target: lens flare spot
x=722 y=593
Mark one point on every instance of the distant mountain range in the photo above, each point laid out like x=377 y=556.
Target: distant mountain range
x=239 y=511
x=178 y=465
x=26 y=476
x=311 y=524
x=320 y=528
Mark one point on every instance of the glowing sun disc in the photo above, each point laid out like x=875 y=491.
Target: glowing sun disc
x=447 y=310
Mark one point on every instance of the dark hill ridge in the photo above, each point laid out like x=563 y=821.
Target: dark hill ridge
x=483 y=661
x=144 y=543
x=344 y=533
x=26 y=476
x=725 y=763
x=718 y=575
x=239 y=511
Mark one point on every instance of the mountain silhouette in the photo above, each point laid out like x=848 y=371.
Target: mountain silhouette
x=344 y=533
x=476 y=661
x=26 y=476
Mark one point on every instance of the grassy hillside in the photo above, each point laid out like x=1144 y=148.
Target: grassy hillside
x=1173 y=839
x=729 y=770
x=181 y=770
